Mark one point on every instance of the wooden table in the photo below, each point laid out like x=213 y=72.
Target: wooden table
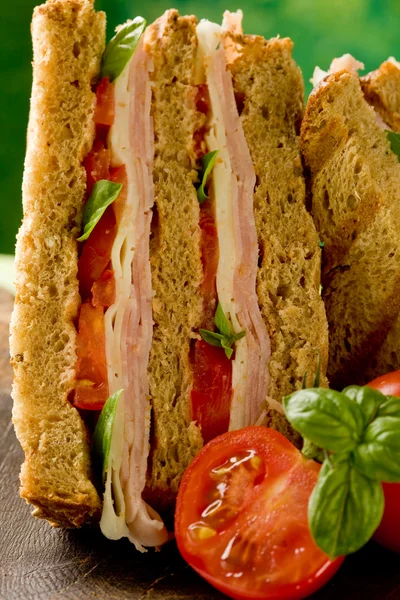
x=39 y=562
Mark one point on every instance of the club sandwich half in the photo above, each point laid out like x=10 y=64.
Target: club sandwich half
x=167 y=268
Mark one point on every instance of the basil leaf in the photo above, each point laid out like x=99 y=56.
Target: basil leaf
x=121 y=47
x=366 y=397
x=226 y=343
x=222 y=322
x=345 y=507
x=394 y=139
x=103 y=194
x=327 y=418
x=390 y=407
x=311 y=451
x=207 y=165
x=321 y=244
x=378 y=456
x=101 y=441
x=212 y=338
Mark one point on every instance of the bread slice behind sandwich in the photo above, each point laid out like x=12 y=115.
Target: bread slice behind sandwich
x=356 y=206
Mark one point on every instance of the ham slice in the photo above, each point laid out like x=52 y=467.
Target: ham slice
x=129 y=322
x=233 y=186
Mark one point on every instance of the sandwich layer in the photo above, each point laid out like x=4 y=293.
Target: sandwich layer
x=355 y=204
x=175 y=251
x=68 y=41
x=268 y=89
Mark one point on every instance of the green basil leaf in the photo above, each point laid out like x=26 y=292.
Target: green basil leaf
x=390 y=407
x=369 y=399
x=311 y=451
x=222 y=322
x=321 y=244
x=215 y=339
x=394 y=139
x=327 y=418
x=207 y=165
x=103 y=194
x=226 y=343
x=378 y=456
x=101 y=441
x=121 y=47
x=345 y=507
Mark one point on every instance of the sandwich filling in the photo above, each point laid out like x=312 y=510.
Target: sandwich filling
x=122 y=333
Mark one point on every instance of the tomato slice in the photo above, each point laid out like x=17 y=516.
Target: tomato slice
x=105 y=103
x=388 y=532
x=212 y=389
x=97 y=165
x=103 y=290
x=210 y=256
x=96 y=252
x=91 y=370
x=241 y=517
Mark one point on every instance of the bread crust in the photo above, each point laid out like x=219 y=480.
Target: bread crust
x=382 y=91
x=68 y=41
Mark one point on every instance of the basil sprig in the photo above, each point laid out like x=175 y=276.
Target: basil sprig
x=359 y=430
x=223 y=338
x=101 y=441
x=207 y=165
x=103 y=194
x=394 y=139
x=121 y=47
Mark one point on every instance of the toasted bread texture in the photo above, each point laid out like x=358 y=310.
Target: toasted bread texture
x=175 y=253
x=356 y=206
x=68 y=41
x=382 y=91
x=268 y=87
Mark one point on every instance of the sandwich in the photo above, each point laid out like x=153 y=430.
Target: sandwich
x=347 y=138
x=167 y=268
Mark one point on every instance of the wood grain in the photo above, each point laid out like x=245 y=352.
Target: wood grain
x=41 y=563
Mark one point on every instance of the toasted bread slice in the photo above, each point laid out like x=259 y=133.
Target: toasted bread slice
x=269 y=93
x=175 y=252
x=356 y=206
x=68 y=41
x=382 y=91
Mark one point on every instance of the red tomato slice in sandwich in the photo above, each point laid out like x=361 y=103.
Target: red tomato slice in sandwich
x=105 y=104
x=388 y=532
x=91 y=389
x=212 y=389
x=241 y=517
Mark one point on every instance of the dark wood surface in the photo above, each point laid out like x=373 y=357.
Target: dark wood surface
x=39 y=562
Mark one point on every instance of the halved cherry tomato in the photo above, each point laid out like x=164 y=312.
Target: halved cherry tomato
x=241 y=517
x=96 y=252
x=91 y=390
x=105 y=104
x=211 y=394
x=388 y=532
x=103 y=290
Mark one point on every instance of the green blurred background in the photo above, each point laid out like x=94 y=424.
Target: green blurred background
x=320 y=29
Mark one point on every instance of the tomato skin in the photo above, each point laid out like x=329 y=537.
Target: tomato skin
x=105 y=103
x=211 y=394
x=261 y=547
x=388 y=532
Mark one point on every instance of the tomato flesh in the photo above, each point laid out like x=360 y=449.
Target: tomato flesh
x=212 y=389
x=388 y=532
x=91 y=390
x=105 y=103
x=103 y=290
x=241 y=518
